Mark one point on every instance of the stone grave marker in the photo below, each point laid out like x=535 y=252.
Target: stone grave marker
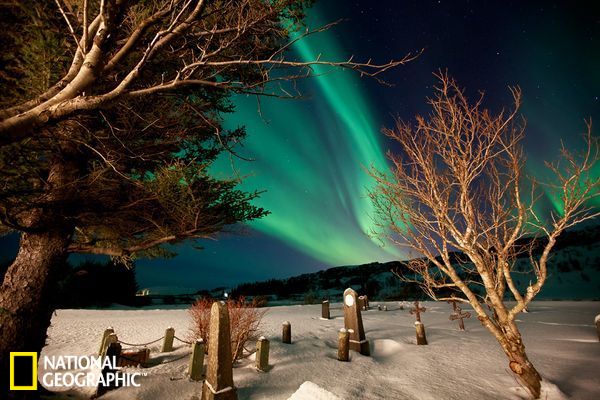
x=354 y=324
x=343 y=345
x=286 y=332
x=262 y=354
x=325 y=310
x=218 y=384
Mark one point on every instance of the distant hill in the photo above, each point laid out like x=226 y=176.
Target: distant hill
x=573 y=274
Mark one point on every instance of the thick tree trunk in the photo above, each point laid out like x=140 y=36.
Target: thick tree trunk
x=509 y=337
x=26 y=297
x=522 y=367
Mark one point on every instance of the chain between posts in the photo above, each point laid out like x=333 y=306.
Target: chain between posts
x=182 y=341
x=140 y=344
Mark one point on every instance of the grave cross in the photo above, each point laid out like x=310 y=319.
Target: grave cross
x=458 y=314
x=417 y=310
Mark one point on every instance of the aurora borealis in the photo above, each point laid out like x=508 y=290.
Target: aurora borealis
x=309 y=154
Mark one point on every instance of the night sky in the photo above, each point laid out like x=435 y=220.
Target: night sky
x=309 y=154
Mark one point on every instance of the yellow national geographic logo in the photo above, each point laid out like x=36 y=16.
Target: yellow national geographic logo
x=23 y=370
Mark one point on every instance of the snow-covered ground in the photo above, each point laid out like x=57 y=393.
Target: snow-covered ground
x=560 y=338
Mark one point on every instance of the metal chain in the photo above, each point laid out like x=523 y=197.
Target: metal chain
x=140 y=344
x=182 y=341
x=150 y=364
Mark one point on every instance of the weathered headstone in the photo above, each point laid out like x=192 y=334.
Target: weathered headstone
x=417 y=310
x=458 y=314
x=286 y=332
x=420 y=328
x=113 y=351
x=325 y=310
x=196 y=367
x=168 y=340
x=218 y=384
x=103 y=344
x=343 y=345
x=354 y=324
x=262 y=354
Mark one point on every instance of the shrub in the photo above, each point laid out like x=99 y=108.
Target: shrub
x=244 y=319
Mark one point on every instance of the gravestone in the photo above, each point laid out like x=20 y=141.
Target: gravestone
x=218 y=384
x=286 y=332
x=343 y=345
x=417 y=310
x=196 y=366
x=325 y=310
x=354 y=324
x=458 y=314
x=262 y=354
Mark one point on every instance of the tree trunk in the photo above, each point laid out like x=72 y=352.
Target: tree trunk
x=519 y=362
x=26 y=297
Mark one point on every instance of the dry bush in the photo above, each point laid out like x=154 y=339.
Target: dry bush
x=244 y=318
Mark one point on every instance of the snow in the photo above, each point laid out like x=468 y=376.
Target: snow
x=560 y=338
x=310 y=391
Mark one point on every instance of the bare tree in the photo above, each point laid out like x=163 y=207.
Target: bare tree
x=457 y=185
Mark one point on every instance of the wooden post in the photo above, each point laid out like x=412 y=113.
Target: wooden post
x=113 y=350
x=262 y=354
x=218 y=384
x=103 y=344
x=195 y=369
x=110 y=339
x=343 y=345
x=597 y=321
x=325 y=310
x=286 y=336
x=168 y=340
x=420 y=328
x=353 y=323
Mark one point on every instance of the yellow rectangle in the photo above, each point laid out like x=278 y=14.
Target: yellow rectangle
x=33 y=356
